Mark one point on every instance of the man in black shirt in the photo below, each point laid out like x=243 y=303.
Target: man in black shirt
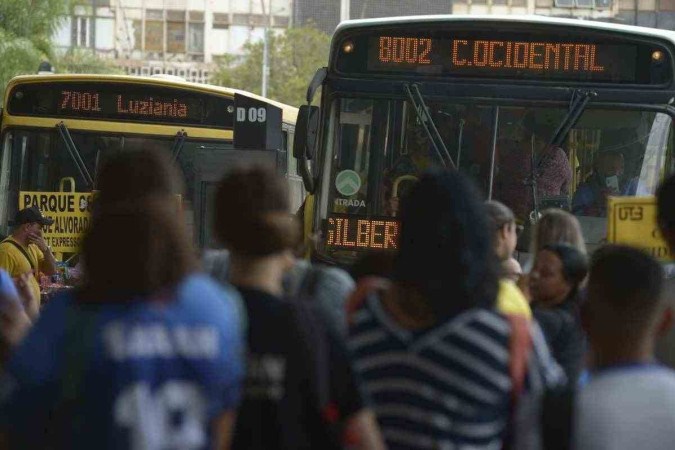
x=300 y=390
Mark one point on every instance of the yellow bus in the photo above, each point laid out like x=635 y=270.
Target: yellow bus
x=57 y=130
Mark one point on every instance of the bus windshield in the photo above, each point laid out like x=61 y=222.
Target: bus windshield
x=38 y=160
x=376 y=149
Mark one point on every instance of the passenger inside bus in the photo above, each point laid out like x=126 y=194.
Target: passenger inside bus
x=515 y=175
x=606 y=180
x=415 y=156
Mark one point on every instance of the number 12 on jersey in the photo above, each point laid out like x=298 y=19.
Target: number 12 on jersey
x=171 y=417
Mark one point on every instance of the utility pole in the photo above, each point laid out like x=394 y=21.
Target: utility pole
x=344 y=10
x=265 y=62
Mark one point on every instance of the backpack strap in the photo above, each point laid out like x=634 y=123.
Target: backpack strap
x=365 y=287
x=519 y=349
x=307 y=288
x=23 y=252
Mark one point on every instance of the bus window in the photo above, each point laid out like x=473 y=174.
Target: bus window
x=616 y=154
x=380 y=149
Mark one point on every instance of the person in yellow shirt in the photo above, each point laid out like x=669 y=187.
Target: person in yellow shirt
x=510 y=300
x=511 y=269
x=25 y=250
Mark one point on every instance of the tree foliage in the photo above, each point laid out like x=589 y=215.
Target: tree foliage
x=26 y=28
x=294 y=56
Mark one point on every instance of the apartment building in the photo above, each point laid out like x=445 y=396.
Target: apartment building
x=175 y=37
x=184 y=37
x=581 y=9
x=325 y=14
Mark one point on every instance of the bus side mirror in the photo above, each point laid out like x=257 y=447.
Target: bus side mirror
x=317 y=81
x=306 y=128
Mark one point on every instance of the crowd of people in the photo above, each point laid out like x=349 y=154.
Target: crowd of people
x=449 y=345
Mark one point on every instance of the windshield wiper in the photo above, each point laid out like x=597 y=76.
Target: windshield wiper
x=424 y=116
x=75 y=154
x=577 y=106
x=177 y=146
x=578 y=102
x=460 y=142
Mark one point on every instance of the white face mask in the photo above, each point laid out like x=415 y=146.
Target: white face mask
x=612 y=182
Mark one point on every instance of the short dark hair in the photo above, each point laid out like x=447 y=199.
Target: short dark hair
x=666 y=203
x=137 y=244
x=446 y=252
x=499 y=214
x=627 y=283
x=252 y=213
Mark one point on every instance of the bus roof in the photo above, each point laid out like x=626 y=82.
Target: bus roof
x=290 y=113
x=524 y=19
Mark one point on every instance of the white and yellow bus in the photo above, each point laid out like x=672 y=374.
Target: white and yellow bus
x=491 y=97
x=57 y=130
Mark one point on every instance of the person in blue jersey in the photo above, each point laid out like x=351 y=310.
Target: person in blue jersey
x=16 y=300
x=300 y=390
x=629 y=401
x=432 y=350
x=146 y=354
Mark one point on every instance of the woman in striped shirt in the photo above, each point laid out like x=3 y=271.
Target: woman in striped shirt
x=433 y=353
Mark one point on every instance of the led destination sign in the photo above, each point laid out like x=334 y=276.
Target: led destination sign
x=504 y=57
x=90 y=101
x=505 y=54
x=354 y=233
x=126 y=102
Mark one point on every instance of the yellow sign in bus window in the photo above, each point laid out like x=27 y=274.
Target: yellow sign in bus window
x=632 y=221
x=70 y=211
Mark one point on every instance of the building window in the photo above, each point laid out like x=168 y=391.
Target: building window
x=82 y=32
x=240 y=19
x=137 y=27
x=281 y=21
x=197 y=16
x=175 y=39
x=105 y=33
x=564 y=3
x=196 y=37
x=154 y=36
x=154 y=14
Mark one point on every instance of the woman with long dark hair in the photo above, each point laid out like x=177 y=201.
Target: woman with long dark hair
x=146 y=354
x=556 y=277
x=432 y=350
